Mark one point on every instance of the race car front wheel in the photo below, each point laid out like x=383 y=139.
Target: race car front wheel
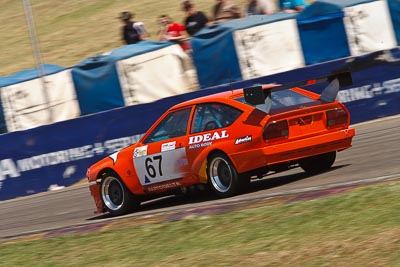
x=222 y=175
x=117 y=199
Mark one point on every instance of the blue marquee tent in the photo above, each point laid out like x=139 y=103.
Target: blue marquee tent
x=97 y=85
x=20 y=77
x=215 y=48
x=394 y=7
x=143 y=47
x=332 y=29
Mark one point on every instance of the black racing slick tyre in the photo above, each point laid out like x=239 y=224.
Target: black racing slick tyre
x=117 y=199
x=222 y=176
x=318 y=163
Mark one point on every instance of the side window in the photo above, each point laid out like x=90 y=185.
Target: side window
x=173 y=125
x=212 y=116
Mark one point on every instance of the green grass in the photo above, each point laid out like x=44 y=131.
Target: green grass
x=70 y=31
x=359 y=228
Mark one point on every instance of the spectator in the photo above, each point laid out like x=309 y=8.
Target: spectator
x=132 y=32
x=291 y=6
x=225 y=10
x=195 y=20
x=172 y=31
x=260 y=7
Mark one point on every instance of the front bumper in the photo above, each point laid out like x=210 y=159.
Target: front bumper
x=95 y=192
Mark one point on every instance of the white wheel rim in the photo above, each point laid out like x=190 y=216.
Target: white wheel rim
x=112 y=193
x=220 y=174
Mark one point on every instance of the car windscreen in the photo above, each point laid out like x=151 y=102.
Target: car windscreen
x=283 y=99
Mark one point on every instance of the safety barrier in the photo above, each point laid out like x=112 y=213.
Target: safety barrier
x=58 y=154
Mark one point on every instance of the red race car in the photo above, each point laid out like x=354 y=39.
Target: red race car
x=223 y=141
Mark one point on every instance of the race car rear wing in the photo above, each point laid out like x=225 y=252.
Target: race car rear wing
x=258 y=95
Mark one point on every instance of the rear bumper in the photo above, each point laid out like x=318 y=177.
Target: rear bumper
x=95 y=192
x=293 y=150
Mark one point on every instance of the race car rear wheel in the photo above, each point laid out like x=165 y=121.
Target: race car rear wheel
x=117 y=199
x=318 y=163
x=222 y=175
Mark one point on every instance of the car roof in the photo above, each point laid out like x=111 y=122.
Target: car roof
x=218 y=96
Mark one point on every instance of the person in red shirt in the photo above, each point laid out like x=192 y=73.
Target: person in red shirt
x=173 y=31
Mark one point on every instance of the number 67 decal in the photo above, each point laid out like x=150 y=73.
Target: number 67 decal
x=150 y=164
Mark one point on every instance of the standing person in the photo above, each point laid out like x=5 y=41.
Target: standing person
x=195 y=20
x=260 y=7
x=172 y=31
x=132 y=32
x=292 y=6
x=225 y=10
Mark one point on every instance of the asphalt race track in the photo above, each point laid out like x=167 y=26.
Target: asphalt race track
x=374 y=156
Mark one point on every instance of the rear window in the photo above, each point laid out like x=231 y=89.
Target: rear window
x=283 y=99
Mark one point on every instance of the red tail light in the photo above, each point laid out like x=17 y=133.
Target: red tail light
x=336 y=118
x=276 y=131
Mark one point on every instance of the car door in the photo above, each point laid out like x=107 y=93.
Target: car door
x=162 y=157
